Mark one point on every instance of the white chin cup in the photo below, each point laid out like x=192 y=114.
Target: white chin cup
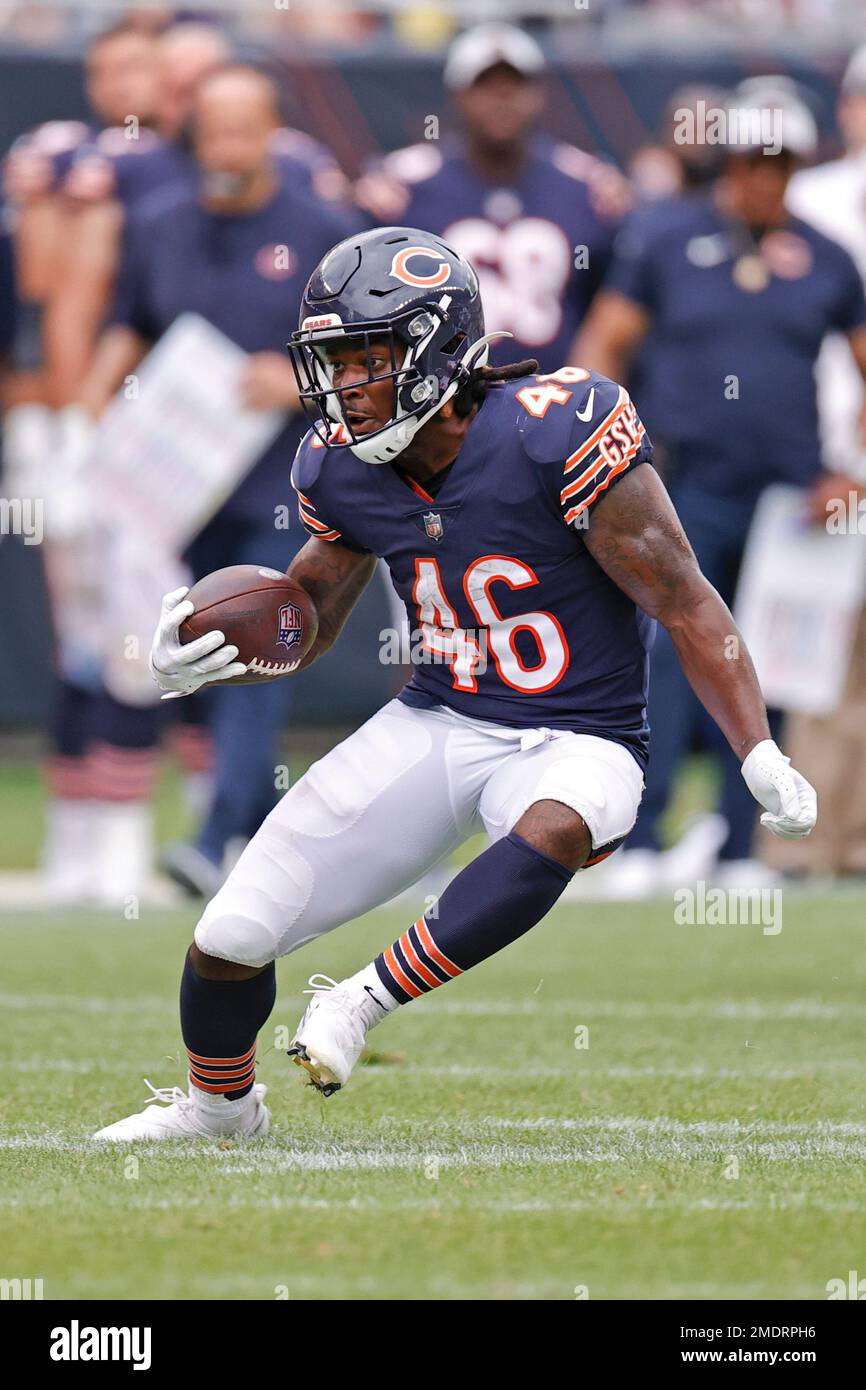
x=387 y=443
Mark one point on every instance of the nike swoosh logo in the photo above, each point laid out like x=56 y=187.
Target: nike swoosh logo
x=368 y=990
x=586 y=413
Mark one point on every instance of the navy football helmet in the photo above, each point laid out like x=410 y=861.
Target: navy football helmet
x=420 y=295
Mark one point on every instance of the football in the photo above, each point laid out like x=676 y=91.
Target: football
x=270 y=620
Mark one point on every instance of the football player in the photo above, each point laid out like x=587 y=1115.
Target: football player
x=534 y=547
x=536 y=217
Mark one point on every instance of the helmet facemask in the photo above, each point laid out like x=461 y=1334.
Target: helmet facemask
x=421 y=332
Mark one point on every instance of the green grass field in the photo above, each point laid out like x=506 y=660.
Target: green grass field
x=708 y=1143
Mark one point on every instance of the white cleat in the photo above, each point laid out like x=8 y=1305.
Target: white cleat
x=193 y=1116
x=330 y=1037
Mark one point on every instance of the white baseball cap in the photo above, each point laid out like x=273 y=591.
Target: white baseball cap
x=477 y=50
x=792 y=123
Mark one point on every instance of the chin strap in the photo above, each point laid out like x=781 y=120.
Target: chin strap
x=386 y=446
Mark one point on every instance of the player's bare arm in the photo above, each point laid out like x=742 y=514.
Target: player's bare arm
x=74 y=315
x=636 y=538
x=334 y=577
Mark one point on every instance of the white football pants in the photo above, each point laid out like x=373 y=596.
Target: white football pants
x=398 y=795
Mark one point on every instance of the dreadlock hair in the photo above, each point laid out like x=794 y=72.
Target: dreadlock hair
x=473 y=391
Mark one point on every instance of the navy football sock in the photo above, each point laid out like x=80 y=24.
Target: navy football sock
x=220 y=1020
x=495 y=899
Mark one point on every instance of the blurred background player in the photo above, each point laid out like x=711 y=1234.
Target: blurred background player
x=237 y=249
x=535 y=217
x=732 y=298
x=8 y=302
x=119 y=79
x=110 y=175
x=832 y=747
x=148 y=148
x=671 y=165
x=144 y=150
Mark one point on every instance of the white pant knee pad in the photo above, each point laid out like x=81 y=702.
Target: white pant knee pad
x=258 y=906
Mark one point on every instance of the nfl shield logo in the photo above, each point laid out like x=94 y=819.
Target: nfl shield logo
x=433 y=525
x=291 y=625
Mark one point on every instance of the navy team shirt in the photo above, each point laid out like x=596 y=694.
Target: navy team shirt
x=109 y=165
x=521 y=625
x=678 y=261
x=180 y=258
x=522 y=238
x=8 y=296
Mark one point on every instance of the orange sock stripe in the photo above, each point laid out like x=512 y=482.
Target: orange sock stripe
x=222 y=1061
x=433 y=950
x=68 y=778
x=400 y=975
x=193 y=748
x=417 y=963
x=218 y=1090
x=230 y=1073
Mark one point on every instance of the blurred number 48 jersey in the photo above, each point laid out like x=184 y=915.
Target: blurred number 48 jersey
x=540 y=244
x=519 y=624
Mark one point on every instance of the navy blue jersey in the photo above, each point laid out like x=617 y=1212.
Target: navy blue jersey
x=540 y=245
x=727 y=370
x=8 y=296
x=113 y=166
x=519 y=623
x=38 y=161
x=244 y=274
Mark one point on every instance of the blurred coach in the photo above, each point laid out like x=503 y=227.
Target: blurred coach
x=211 y=251
x=732 y=298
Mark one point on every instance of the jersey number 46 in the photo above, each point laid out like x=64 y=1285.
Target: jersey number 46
x=467 y=651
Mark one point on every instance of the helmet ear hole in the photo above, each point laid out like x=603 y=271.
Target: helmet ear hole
x=454 y=344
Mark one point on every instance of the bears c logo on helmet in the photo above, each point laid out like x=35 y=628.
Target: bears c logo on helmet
x=400 y=268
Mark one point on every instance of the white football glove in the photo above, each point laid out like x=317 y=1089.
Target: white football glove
x=791 y=802
x=178 y=668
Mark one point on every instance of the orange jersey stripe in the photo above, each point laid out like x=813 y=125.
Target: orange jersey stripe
x=601 y=463
x=589 y=444
x=313 y=521
x=614 y=472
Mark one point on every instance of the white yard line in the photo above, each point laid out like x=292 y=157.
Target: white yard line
x=585 y=1070
x=625 y=1141
x=446 y=1203
x=583 y=1010
x=664 y=1124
